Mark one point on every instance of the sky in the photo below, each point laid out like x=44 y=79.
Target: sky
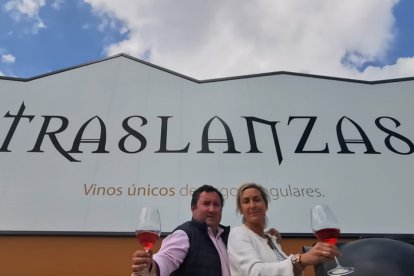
x=357 y=39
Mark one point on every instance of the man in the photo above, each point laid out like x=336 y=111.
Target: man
x=196 y=247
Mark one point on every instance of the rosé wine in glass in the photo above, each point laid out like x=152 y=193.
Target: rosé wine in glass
x=148 y=229
x=147 y=238
x=326 y=229
x=329 y=235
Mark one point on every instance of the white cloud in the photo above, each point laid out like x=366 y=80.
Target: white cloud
x=56 y=4
x=8 y=58
x=404 y=67
x=207 y=39
x=27 y=9
x=1 y=73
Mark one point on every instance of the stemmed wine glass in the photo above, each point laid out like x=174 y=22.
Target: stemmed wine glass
x=148 y=229
x=326 y=229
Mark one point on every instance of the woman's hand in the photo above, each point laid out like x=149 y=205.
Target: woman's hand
x=320 y=252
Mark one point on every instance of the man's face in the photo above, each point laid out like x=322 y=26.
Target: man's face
x=208 y=209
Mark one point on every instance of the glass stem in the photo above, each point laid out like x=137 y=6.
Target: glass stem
x=337 y=262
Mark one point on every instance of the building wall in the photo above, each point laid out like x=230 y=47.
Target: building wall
x=85 y=149
x=81 y=256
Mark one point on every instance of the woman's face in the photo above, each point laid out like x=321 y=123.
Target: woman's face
x=253 y=206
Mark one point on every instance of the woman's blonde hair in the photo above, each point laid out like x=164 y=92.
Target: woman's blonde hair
x=245 y=186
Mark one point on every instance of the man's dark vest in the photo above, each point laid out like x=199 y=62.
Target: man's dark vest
x=202 y=258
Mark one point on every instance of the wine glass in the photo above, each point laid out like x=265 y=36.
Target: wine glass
x=148 y=229
x=326 y=229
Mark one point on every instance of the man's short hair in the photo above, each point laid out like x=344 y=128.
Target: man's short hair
x=207 y=189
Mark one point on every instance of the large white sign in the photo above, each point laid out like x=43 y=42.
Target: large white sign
x=84 y=149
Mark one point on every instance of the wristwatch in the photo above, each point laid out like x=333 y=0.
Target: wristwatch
x=296 y=259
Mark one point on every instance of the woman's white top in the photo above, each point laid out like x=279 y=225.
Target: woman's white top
x=251 y=255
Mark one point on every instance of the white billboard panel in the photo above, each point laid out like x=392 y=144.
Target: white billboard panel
x=86 y=148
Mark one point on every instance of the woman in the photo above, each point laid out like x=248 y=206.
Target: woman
x=253 y=252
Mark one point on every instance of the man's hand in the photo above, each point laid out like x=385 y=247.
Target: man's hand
x=141 y=261
x=275 y=233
